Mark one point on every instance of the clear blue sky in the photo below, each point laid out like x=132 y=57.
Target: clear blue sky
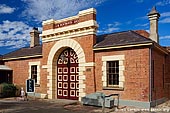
x=17 y=17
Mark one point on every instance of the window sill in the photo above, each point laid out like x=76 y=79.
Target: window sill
x=113 y=88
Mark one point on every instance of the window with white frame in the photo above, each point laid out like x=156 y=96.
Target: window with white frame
x=34 y=72
x=113 y=71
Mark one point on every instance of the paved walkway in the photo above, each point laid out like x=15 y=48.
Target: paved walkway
x=14 y=105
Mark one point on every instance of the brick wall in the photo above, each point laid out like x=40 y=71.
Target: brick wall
x=48 y=26
x=21 y=73
x=87 y=17
x=143 y=33
x=158 y=90
x=84 y=35
x=86 y=43
x=136 y=86
x=167 y=76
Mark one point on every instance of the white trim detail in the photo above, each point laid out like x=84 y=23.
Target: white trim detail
x=87 y=64
x=90 y=64
x=38 y=70
x=44 y=66
x=51 y=65
x=69 y=35
x=121 y=59
x=87 y=11
x=81 y=13
x=70 y=28
x=70 y=31
x=46 y=22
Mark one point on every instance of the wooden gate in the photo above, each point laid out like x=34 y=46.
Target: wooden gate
x=67 y=75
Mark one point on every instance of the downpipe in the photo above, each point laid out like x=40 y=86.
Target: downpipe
x=150 y=76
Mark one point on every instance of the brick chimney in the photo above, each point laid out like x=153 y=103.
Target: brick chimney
x=143 y=33
x=154 y=17
x=34 y=34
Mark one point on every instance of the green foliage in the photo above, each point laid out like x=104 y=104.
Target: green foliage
x=8 y=90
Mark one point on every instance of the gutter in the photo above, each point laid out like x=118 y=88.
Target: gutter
x=22 y=57
x=161 y=48
x=122 y=46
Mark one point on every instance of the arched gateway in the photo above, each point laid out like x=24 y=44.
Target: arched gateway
x=77 y=35
x=68 y=75
x=58 y=53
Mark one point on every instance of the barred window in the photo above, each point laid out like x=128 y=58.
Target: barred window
x=112 y=73
x=34 y=72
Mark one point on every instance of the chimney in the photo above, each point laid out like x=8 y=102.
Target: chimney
x=34 y=34
x=154 y=17
x=143 y=33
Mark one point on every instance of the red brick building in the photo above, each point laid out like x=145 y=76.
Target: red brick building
x=74 y=61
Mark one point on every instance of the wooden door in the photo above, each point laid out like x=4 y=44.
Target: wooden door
x=67 y=75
